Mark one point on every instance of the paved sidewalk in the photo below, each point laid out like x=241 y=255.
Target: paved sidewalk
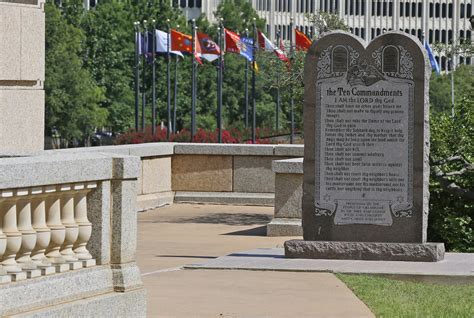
x=181 y=234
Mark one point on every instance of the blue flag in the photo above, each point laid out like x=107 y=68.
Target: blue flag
x=434 y=63
x=246 y=48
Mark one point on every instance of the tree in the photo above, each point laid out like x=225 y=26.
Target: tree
x=452 y=176
x=72 y=96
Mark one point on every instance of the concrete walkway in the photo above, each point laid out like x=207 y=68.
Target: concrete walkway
x=174 y=236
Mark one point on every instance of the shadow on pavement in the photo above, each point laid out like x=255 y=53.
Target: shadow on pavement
x=224 y=218
x=257 y=231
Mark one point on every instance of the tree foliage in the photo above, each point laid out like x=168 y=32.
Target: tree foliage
x=72 y=96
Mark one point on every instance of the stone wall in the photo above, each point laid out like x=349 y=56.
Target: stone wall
x=203 y=173
x=22 y=52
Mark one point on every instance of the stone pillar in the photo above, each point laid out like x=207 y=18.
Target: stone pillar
x=8 y=213
x=28 y=234
x=85 y=227
x=22 y=76
x=124 y=223
x=67 y=219
x=58 y=231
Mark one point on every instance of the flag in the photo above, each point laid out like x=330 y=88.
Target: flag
x=209 y=49
x=184 y=43
x=235 y=44
x=162 y=43
x=232 y=40
x=246 y=48
x=433 y=62
x=139 y=42
x=264 y=43
x=302 y=41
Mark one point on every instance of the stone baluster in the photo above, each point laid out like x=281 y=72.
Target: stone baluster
x=58 y=230
x=10 y=229
x=28 y=234
x=72 y=229
x=43 y=233
x=4 y=278
x=85 y=227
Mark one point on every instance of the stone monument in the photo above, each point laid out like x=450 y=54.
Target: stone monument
x=366 y=169
x=22 y=54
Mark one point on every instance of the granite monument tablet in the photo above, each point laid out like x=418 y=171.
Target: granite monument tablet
x=365 y=191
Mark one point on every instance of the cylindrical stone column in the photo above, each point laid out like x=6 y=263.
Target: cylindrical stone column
x=67 y=219
x=28 y=234
x=53 y=220
x=80 y=215
x=10 y=229
x=43 y=233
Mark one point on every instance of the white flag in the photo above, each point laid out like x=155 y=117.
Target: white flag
x=162 y=43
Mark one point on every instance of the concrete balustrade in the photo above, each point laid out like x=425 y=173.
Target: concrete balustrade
x=53 y=259
x=44 y=226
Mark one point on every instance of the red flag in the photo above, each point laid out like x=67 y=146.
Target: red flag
x=302 y=41
x=232 y=41
x=184 y=43
x=209 y=49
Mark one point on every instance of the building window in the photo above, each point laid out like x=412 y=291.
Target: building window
x=443 y=36
x=437 y=10
x=413 y=9
x=468 y=35
x=384 y=8
x=372 y=33
x=351 y=7
x=462 y=11
x=443 y=10
x=357 y=8
x=413 y=32
x=436 y=38
x=420 y=35
x=362 y=33
x=469 y=10
x=420 y=9
x=390 y=9
x=346 y=7
x=182 y=3
x=357 y=31
x=401 y=9
x=431 y=10
x=430 y=39
x=373 y=7
x=450 y=10
x=191 y=3
x=407 y=9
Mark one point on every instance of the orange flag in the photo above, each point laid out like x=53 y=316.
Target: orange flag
x=184 y=43
x=302 y=41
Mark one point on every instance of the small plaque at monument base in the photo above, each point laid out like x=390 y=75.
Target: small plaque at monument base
x=366 y=170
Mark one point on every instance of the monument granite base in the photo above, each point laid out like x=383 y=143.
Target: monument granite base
x=409 y=252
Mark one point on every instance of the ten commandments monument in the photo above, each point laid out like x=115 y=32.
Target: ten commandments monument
x=366 y=171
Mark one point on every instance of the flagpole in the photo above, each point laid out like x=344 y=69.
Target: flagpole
x=193 y=84
x=145 y=45
x=292 y=106
x=153 y=104
x=168 y=81
x=219 y=83
x=175 y=90
x=277 y=110
x=254 y=108
x=136 y=26
x=246 y=87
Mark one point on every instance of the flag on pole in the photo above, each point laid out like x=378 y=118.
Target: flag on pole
x=162 y=43
x=209 y=49
x=433 y=62
x=302 y=42
x=264 y=43
x=267 y=45
x=246 y=48
x=184 y=43
x=232 y=41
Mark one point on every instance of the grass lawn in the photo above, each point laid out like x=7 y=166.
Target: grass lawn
x=394 y=298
